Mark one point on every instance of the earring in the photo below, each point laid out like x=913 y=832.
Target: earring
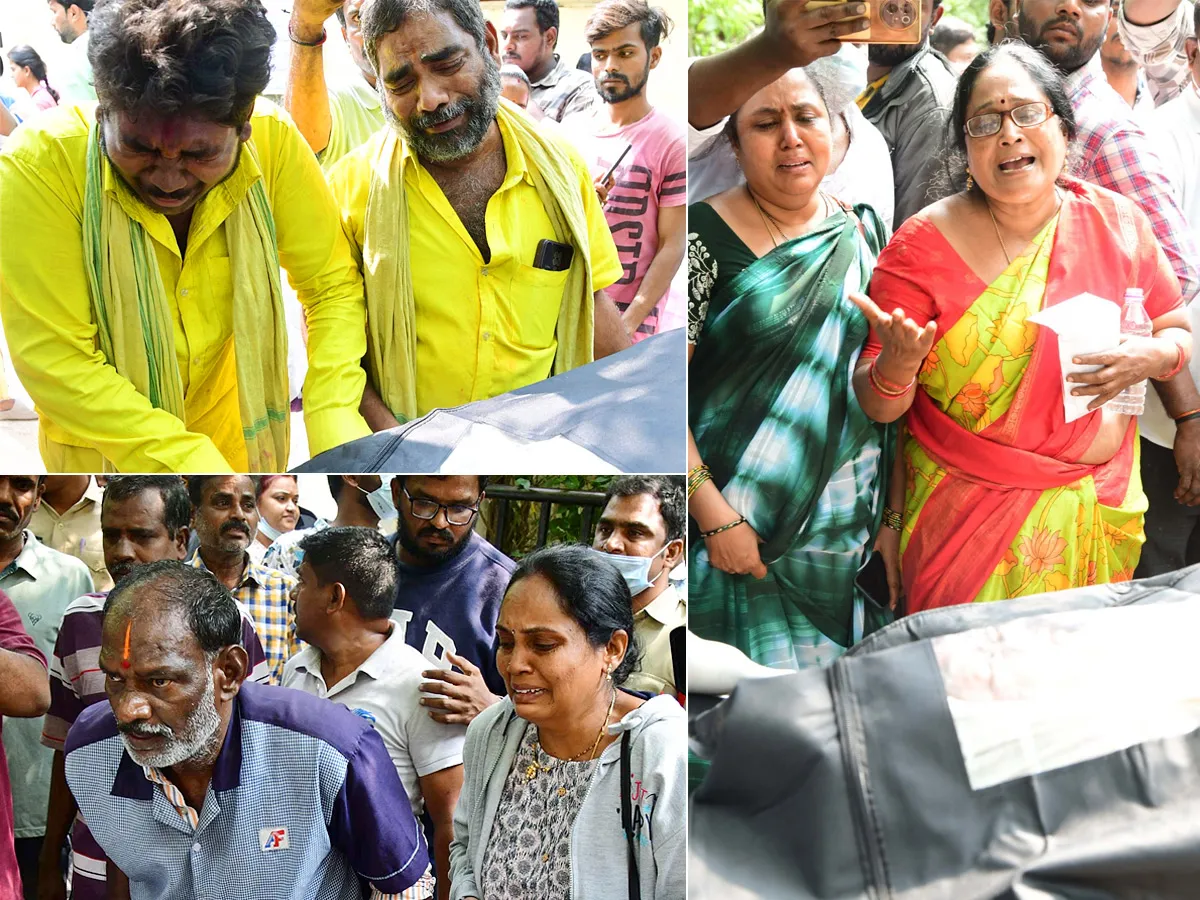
x=970 y=181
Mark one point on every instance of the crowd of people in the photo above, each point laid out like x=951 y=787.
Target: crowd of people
x=879 y=422
x=444 y=244
x=417 y=715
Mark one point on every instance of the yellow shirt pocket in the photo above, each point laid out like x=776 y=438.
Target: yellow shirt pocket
x=531 y=316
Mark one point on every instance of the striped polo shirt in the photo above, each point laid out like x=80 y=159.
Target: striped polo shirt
x=76 y=682
x=304 y=804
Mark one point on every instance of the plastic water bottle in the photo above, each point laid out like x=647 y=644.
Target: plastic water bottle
x=1134 y=321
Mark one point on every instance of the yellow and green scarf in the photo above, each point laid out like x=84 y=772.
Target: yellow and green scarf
x=133 y=318
x=391 y=308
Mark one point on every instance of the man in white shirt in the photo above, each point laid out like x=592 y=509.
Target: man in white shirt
x=1173 y=520
x=74 y=79
x=357 y=656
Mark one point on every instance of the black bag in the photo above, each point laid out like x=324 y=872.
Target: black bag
x=629 y=409
x=1035 y=748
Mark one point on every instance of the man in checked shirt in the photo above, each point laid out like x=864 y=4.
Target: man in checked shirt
x=1112 y=151
x=225 y=519
x=198 y=783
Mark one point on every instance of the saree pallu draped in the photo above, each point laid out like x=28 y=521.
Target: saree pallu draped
x=774 y=416
x=996 y=505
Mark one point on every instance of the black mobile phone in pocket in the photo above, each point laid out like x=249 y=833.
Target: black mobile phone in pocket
x=553 y=256
x=872 y=581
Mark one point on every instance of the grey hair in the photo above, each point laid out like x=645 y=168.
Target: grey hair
x=509 y=70
x=382 y=17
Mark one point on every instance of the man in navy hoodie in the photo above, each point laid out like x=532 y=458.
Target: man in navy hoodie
x=451 y=585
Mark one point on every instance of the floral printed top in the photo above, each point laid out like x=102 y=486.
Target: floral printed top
x=715 y=255
x=529 y=848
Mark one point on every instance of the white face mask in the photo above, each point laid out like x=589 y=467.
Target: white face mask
x=634 y=569
x=381 y=500
x=265 y=527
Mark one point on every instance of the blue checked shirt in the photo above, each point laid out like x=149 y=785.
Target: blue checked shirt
x=303 y=804
x=267 y=594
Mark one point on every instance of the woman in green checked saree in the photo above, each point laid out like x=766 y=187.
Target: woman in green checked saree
x=773 y=338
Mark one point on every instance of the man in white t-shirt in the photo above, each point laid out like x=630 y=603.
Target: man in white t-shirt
x=73 y=78
x=357 y=657
x=1173 y=519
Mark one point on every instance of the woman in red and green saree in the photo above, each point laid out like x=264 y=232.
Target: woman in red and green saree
x=786 y=470
x=1003 y=497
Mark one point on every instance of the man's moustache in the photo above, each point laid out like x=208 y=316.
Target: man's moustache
x=146 y=731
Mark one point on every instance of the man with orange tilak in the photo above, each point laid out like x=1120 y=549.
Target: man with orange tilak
x=232 y=788
x=143 y=519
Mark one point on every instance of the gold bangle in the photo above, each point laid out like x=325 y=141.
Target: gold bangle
x=893 y=519
x=696 y=477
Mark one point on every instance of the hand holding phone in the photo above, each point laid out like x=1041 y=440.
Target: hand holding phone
x=890 y=21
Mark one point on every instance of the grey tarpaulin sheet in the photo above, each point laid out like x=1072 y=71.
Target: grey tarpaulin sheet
x=629 y=409
x=849 y=782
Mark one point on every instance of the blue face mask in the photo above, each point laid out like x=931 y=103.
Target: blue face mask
x=381 y=501
x=634 y=569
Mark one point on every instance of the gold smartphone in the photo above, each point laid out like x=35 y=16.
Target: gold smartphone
x=891 y=21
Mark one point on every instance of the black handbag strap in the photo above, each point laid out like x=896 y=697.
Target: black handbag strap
x=635 y=886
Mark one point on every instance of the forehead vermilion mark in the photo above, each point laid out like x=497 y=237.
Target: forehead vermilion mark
x=125 y=657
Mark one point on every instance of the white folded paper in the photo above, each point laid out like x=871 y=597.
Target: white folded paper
x=1084 y=324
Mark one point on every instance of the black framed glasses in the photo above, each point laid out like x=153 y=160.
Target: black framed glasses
x=456 y=513
x=1027 y=115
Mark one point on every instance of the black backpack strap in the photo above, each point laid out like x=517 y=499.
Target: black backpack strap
x=635 y=886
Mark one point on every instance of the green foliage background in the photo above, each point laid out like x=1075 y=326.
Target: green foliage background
x=566 y=521
x=716 y=25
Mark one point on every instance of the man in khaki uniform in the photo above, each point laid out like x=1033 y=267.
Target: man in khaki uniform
x=69 y=521
x=642 y=530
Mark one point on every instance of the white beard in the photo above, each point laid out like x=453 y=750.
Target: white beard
x=196 y=739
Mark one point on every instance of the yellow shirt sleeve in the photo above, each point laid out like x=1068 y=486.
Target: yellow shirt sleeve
x=317 y=257
x=47 y=314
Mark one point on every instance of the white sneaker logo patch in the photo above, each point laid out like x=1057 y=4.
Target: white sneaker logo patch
x=273 y=839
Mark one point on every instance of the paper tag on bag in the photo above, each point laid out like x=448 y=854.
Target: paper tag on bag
x=1084 y=324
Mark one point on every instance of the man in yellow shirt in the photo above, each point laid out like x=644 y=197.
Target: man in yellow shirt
x=139 y=275
x=334 y=120
x=483 y=246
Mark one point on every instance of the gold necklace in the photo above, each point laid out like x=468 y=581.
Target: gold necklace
x=531 y=771
x=764 y=215
x=992 y=216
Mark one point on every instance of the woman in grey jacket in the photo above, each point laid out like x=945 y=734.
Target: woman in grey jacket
x=541 y=813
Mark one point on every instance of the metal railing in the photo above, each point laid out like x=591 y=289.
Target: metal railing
x=505 y=495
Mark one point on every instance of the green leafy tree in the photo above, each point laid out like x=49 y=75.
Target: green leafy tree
x=566 y=519
x=716 y=25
